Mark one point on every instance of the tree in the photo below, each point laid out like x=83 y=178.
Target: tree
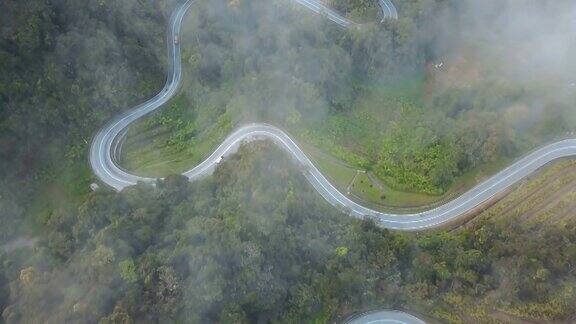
x=128 y=271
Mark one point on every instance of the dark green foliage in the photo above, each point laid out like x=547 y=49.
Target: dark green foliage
x=65 y=68
x=256 y=243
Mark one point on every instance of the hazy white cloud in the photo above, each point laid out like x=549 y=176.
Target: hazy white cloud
x=525 y=40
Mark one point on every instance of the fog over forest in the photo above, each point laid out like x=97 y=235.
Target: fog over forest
x=532 y=43
x=254 y=242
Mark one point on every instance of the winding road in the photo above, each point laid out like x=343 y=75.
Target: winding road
x=381 y=317
x=106 y=145
x=387 y=10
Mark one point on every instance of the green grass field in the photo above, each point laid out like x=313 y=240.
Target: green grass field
x=170 y=142
x=358 y=185
x=362 y=186
x=354 y=135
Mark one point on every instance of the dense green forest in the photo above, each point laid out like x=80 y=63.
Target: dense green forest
x=255 y=242
x=65 y=68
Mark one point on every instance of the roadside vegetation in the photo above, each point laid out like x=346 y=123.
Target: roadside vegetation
x=363 y=11
x=424 y=127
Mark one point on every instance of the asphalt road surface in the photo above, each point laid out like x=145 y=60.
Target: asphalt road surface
x=384 y=317
x=387 y=10
x=107 y=144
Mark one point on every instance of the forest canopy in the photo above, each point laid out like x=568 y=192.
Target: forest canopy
x=255 y=242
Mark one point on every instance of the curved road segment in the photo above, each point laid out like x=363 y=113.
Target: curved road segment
x=387 y=10
x=384 y=317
